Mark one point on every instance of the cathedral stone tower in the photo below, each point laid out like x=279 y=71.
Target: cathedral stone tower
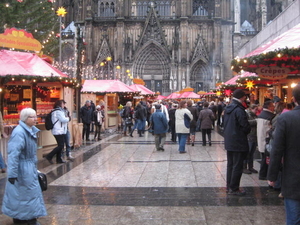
x=170 y=44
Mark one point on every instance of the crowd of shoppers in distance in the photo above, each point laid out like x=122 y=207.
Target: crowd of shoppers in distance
x=273 y=129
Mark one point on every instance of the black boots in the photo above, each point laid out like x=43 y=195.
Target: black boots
x=140 y=133
x=28 y=222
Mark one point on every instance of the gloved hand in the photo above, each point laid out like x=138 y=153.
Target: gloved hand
x=12 y=180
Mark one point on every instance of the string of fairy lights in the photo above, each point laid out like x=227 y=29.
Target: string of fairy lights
x=51 y=33
x=104 y=70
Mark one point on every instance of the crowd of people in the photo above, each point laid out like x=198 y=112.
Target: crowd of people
x=272 y=128
x=183 y=119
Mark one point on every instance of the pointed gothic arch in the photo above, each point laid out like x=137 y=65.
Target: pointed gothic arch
x=152 y=64
x=200 y=75
x=103 y=68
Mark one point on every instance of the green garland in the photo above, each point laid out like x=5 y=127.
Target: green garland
x=290 y=58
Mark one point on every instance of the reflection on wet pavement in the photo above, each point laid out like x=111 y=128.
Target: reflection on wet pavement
x=123 y=180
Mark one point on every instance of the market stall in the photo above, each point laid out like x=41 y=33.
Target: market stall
x=28 y=81
x=108 y=91
x=143 y=93
x=173 y=96
x=277 y=60
x=189 y=95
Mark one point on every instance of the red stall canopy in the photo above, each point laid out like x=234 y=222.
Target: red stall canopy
x=26 y=64
x=142 y=89
x=173 y=96
x=233 y=80
x=160 y=97
x=189 y=94
x=289 y=39
x=104 y=86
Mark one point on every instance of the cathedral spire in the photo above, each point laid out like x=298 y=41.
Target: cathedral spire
x=200 y=51
x=152 y=30
x=104 y=51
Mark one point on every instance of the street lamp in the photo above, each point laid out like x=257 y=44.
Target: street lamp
x=118 y=68
x=61 y=12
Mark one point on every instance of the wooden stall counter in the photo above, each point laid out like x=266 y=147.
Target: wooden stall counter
x=3 y=141
x=46 y=141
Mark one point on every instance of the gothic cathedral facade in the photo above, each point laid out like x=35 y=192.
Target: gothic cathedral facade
x=170 y=44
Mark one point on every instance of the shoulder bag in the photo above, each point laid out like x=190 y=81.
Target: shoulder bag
x=42 y=180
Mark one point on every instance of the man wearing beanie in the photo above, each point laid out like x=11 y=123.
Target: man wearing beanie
x=236 y=129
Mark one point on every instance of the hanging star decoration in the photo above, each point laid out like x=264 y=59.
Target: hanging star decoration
x=228 y=92
x=219 y=93
x=61 y=11
x=250 y=84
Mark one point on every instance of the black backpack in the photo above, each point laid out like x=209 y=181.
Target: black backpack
x=48 y=120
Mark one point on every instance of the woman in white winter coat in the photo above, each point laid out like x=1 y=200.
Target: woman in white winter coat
x=183 y=118
x=59 y=131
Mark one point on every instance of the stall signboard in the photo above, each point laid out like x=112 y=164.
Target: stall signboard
x=138 y=81
x=273 y=72
x=26 y=93
x=19 y=39
x=14 y=97
x=55 y=93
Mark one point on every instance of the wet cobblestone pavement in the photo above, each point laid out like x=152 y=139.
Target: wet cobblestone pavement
x=123 y=180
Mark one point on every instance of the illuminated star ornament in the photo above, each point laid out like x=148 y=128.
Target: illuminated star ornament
x=250 y=84
x=228 y=92
x=219 y=93
x=61 y=11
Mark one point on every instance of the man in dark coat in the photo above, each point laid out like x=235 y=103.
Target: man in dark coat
x=160 y=127
x=172 y=121
x=94 y=109
x=86 y=115
x=286 y=147
x=236 y=129
x=220 y=108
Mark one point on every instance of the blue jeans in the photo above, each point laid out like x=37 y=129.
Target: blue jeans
x=67 y=143
x=126 y=126
x=249 y=159
x=2 y=163
x=141 y=124
x=182 y=140
x=292 y=210
x=136 y=123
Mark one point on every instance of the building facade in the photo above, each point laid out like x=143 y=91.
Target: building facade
x=170 y=44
